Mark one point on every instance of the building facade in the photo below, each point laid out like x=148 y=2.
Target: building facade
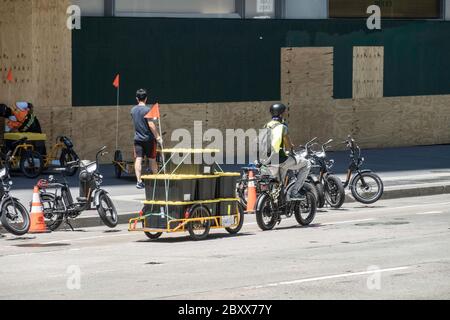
x=223 y=62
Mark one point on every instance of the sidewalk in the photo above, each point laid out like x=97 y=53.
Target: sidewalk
x=406 y=172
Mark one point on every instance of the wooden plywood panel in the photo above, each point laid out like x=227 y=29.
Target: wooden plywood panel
x=368 y=70
x=51 y=43
x=307 y=73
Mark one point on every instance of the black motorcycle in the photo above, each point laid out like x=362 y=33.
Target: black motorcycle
x=276 y=200
x=14 y=216
x=59 y=206
x=328 y=185
x=366 y=186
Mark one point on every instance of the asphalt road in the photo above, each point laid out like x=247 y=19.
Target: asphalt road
x=396 y=249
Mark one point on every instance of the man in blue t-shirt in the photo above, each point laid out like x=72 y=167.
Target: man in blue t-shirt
x=146 y=136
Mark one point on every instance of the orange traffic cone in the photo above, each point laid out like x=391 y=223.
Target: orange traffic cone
x=37 y=214
x=251 y=192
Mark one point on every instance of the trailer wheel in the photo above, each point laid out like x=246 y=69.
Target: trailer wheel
x=118 y=159
x=199 y=230
x=152 y=235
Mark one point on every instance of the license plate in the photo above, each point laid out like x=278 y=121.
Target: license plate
x=227 y=221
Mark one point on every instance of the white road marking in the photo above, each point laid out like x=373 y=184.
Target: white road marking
x=336 y=276
x=348 y=221
x=429 y=212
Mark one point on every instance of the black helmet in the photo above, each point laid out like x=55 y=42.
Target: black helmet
x=277 y=109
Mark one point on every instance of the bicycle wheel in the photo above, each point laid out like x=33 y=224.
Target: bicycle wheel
x=117 y=169
x=15 y=217
x=334 y=191
x=367 y=188
x=199 y=230
x=31 y=164
x=321 y=195
x=49 y=205
x=265 y=216
x=107 y=211
x=305 y=210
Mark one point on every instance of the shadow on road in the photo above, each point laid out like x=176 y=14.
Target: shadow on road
x=213 y=236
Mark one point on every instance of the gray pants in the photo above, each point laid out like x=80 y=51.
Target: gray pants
x=295 y=163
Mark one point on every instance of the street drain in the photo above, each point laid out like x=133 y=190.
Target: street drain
x=371 y=224
x=153 y=263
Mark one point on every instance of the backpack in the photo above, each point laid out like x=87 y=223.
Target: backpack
x=265 y=141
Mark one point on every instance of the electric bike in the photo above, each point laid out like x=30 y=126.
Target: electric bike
x=366 y=186
x=277 y=199
x=13 y=216
x=329 y=185
x=59 y=206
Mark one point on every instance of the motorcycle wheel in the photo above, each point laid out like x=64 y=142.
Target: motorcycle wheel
x=15 y=217
x=199 y=230
x=240 y=216
x=334 y=192
x=305 y=210
x=265 y=217
x=320 y=195
x=31 y=164
x=66 y=157
x=367 y=188
x=107 y=211
x=52 y=220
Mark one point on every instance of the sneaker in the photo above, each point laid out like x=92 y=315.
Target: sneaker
x=140 y=185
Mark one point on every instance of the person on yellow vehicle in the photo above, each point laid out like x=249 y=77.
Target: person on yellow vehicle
x=280 y=158
x=23 y=119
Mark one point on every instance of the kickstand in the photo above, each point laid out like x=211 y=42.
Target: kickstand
x=67 y=223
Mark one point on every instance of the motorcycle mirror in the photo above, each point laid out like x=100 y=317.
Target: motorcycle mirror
x=103 y=148
x=328 y=142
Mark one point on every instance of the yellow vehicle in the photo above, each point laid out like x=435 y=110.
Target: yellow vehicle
x=27 y=158
x=192 y=197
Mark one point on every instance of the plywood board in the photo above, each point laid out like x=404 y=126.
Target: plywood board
x=307 y=72
x=368 y=72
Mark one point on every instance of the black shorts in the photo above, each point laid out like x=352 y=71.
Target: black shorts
x=145 y=149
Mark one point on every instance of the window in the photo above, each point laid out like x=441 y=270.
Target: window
x=260 y=9
x=447 y=9
x=305 y=9
x=91 y=7
x=176 y=8
x=424 y=9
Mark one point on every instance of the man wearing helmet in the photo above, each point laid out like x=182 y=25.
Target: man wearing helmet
x=281 y=160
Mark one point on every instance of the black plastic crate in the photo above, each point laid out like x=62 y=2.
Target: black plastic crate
x=228 y=207
x=226 y=185
x=160 y=213
x=180 y=188
x=206 y=188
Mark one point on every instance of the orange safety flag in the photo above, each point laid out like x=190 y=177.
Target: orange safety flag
x=10 y=77
x=116 y=82
x=154 y=112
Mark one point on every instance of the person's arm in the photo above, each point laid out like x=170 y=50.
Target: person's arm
x=154 y=130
